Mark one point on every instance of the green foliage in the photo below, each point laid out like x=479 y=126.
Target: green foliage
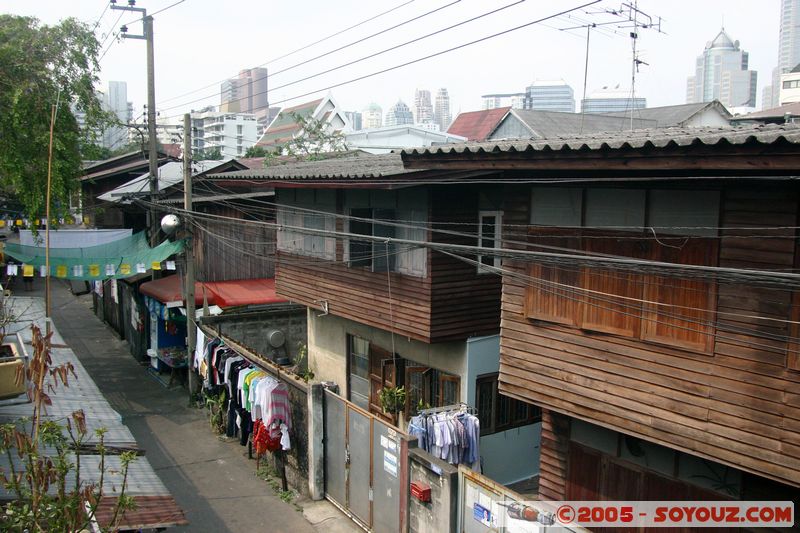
x=393 y=399
x=256 y=151
x=216 y=412
x=41 y=65
x=317 y=139
x=214 y=154
x=41 y=461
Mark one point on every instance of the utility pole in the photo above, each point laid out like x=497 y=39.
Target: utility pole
x=147 y=35
x=191 y=330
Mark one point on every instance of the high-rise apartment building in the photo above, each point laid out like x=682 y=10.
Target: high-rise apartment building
x=399 y=114
x=247 y=94
x=423 y=109
x=232 y=133
x=441 y=114
x=614 y=100
x=788 y=51
x=115 y=100
x=354 y=117
x=721 y=74
x=550 y=95
x=372 y=116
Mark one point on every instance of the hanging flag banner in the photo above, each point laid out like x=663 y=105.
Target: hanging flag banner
x=2 y=223
x=156 y=265
x=11 y=270
x=43 y=271
x=132 y=251
x=61 y=271
x=18 y=222
x=170 y=265
x=27 y=271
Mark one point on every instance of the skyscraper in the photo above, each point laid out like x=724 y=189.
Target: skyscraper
x=372 y=116
x=115 y=101
x=246 y=94
x=721 y=74
x=423 y=109
x=399 y=114
x=547 y=95
x=441 y=114
x=788 y=51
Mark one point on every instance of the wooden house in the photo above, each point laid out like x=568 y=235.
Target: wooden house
x=384 y=309
x=650 y=306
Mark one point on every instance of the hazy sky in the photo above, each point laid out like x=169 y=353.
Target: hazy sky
x=200 y=42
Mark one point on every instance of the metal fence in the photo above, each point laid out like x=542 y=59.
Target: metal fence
x=366 y=466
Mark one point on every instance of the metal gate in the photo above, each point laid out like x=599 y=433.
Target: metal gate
x=366 y=464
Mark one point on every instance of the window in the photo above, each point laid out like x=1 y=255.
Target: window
x=306 y=208
x=239 y=129
x=400 y=215
x=498 y=412
x=674 y=226
x=428 y=387
x=489 y=228
x=358 y=390
x=378 y=256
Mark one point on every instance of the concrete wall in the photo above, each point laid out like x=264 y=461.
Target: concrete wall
x=508 y=456
x=250 y=330
x=327 y=349
x=440 y=514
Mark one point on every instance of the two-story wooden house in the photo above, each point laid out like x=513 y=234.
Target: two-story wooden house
x=651 y=306
x=384 y=308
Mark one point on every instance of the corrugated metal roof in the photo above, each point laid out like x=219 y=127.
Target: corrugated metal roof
x=674 y=115
x=546 y=124
x=655 y=137
x=477 y=125
x=353 y=165
x=775 y=113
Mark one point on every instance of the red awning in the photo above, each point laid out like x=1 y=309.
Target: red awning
x=221 y=293
x=244 y=292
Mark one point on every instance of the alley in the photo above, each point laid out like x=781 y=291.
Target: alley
x=211 y=480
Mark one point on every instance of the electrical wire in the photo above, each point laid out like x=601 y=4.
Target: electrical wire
x=359 y=60
x=430 y=56
x=304 y=47
x=722 y=274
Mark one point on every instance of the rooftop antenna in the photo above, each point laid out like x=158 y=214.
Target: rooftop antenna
x=639 y=19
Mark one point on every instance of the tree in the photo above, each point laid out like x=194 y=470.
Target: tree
x=212 y=154
x=317 y=138
x=39 y=66
x=256 y=151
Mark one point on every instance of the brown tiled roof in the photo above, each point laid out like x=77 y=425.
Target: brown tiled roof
x=655 y=137
x=151 y=512
x=477 y=125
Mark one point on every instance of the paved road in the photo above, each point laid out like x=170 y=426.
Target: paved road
x=212 y=481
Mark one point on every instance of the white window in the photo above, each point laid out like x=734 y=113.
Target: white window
x=306 y=209
x=489 y=228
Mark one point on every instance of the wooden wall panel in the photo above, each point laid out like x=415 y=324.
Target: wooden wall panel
x=357 y=294
x=553 y=453
x=233 y=251
x=463 y=302
x=736 y=405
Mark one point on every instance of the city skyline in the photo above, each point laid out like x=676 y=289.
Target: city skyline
x=467 y=73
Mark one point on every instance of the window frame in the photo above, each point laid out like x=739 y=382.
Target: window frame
x=496 y=238
x=533 y=412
